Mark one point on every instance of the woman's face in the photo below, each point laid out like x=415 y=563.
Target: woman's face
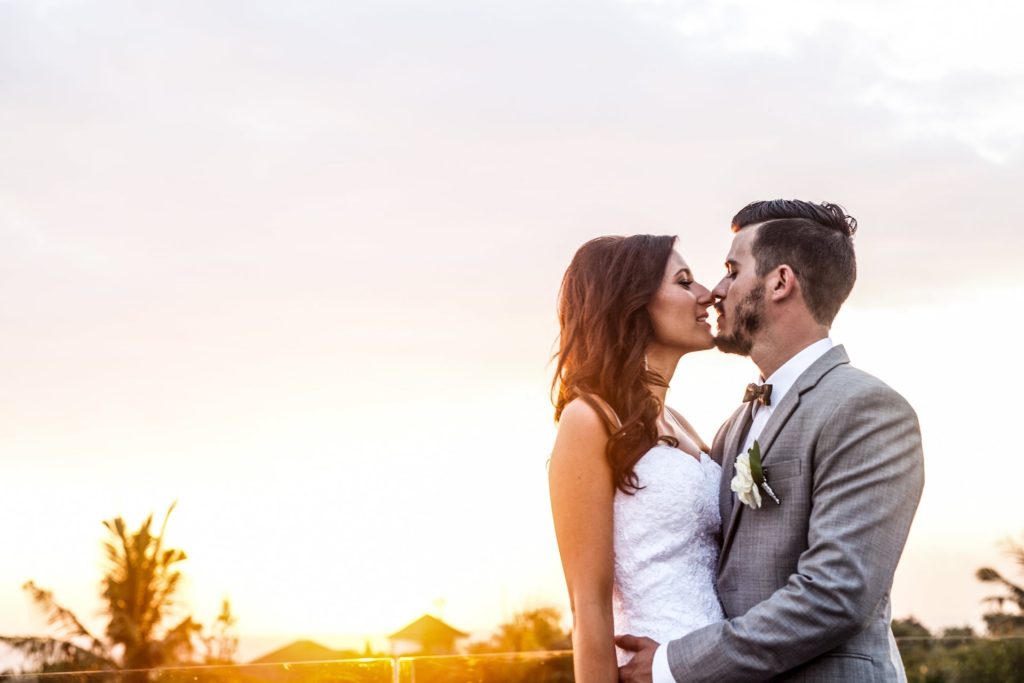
x=679 y=309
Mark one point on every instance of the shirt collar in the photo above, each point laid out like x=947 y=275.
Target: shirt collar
x=782 y=380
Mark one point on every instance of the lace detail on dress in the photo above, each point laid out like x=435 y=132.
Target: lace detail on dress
x=666 y=543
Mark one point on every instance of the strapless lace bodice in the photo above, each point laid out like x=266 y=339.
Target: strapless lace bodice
x=666 y=543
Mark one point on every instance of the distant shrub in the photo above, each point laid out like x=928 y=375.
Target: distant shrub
x=957 y=660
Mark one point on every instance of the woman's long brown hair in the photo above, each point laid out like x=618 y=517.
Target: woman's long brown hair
x=605 y=331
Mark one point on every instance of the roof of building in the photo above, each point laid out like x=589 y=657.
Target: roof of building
x=427 y=628
x=303 y=651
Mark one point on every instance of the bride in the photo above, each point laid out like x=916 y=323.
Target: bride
x=634 y=494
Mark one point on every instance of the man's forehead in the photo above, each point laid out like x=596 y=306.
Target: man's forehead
x=741 y=241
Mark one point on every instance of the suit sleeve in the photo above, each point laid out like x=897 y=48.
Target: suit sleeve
x=867 y=479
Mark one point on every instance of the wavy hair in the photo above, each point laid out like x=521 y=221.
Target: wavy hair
x=604 y=332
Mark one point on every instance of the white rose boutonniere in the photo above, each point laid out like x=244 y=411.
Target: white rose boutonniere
x=750 y=478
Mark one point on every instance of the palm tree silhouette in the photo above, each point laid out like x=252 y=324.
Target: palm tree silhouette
x=138 y=590
x=1001 y=622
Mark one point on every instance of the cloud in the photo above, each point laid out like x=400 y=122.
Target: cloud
x=927 y=64
x=342 y=162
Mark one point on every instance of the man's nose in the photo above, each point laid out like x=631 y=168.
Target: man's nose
x=721 y=289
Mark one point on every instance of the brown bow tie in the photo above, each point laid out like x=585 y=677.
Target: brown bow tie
x=762 y=393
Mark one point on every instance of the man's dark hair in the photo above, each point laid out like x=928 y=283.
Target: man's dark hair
x=815 y=240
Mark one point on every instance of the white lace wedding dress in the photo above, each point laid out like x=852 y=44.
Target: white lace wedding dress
x=666 y=543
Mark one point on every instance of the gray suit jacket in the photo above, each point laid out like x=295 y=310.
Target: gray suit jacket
x=805 y=584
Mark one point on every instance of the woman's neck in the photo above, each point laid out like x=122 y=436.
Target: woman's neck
x=663 y=363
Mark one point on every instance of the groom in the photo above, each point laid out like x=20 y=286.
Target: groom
x=804 y=581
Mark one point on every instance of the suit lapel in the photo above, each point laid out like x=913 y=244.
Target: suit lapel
x=733 y=434
x=777 y=420
x=729 y=507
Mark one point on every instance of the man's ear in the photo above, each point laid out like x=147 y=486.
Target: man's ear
x=783 y=283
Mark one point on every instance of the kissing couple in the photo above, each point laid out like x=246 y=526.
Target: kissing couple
x=769 y=555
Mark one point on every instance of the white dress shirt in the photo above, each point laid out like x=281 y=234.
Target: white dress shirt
x=782 y=381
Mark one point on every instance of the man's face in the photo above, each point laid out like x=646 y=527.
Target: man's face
x=739 y=297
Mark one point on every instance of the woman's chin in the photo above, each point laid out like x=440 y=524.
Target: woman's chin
x=704 y=343
x=707 y=340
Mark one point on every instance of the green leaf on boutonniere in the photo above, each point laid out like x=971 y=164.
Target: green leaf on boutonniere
x=756 y=471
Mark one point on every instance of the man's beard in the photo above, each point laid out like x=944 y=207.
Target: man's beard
x=749 y=316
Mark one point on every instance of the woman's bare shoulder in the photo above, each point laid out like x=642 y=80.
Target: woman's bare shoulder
x=581 y=421
x=581 y=413
x=579 y=462
x=599 y=408
x=688 y=429
x=582 y=433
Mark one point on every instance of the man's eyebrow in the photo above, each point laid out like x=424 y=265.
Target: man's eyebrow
x=730 y=263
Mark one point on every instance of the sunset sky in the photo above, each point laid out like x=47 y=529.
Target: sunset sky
x=295 y=266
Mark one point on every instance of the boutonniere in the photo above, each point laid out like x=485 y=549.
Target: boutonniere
x=750 y=478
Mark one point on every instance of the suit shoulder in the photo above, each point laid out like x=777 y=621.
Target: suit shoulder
x=851 y=384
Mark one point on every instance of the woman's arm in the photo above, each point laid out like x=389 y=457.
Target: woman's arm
x=582 y=491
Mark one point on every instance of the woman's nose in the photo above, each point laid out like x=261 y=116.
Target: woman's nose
x=704 y=297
